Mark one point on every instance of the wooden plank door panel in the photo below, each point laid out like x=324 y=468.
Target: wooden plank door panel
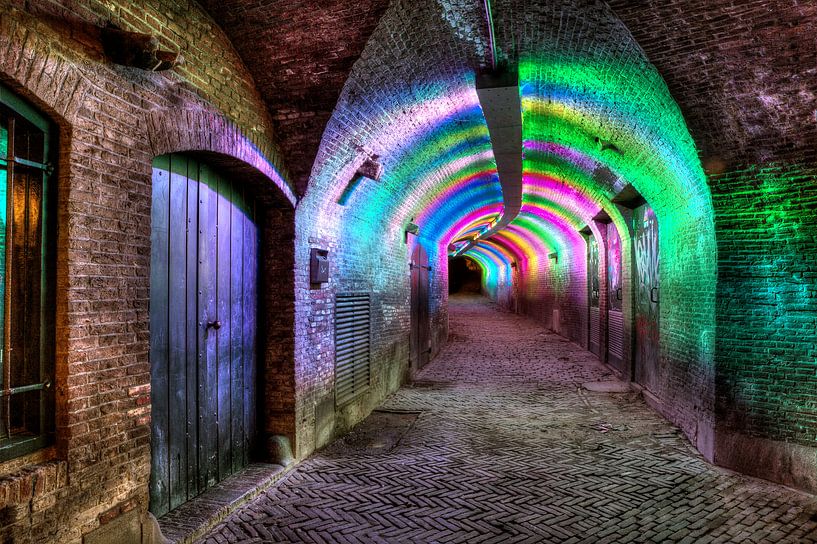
x=208 y=347
x=222 y=333
x=159 y=475
x=237 y=423
x=419 y=336
x=593 y=292
x=414 y=331
x=615 y=317
x=191 y=413
x=424 y=348
x=250 y=330
x=178 y=432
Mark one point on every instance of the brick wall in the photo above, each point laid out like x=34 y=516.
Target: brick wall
x=766 y=343
x=749 y=102
x=113 y=121
x=567 y=37
x=365 y=235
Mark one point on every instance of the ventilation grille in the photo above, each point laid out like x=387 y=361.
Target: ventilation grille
x=352 y=346
x=594 y=328
x=616 y=333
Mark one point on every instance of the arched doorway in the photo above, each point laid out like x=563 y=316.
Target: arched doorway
x=420 y=346
x=203 y=315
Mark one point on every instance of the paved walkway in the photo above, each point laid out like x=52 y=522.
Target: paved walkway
x=506 y=446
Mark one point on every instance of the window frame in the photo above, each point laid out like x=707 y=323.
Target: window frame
x=12 y=446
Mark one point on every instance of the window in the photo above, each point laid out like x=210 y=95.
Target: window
x=26 y=279
x=352 y=345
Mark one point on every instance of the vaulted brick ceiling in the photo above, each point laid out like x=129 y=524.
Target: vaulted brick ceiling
x=743 y=72
x=745 y=89
x=300 y=53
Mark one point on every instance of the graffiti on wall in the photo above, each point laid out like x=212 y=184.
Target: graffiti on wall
x=593 y=270
x=647 y=296
x=614 y=267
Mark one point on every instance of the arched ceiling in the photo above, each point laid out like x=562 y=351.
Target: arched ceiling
x=596 y=117
x=741 y=72
x=300 y=53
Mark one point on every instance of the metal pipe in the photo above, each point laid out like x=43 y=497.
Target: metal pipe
x=491 y=37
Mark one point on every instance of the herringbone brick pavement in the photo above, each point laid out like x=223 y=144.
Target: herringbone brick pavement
x=498 y=441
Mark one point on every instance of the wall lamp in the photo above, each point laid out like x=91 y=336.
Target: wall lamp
x=411 y=228
x=137 y=50
x=370 y=169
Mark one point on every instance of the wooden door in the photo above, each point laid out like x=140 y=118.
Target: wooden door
x=204 y=263
x=615 y=315
x=420 y=348
x=647 y=297
x=593 y=294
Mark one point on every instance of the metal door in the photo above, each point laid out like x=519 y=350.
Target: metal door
x=615 y=316
x=204 y=263
x=593 y=288
x=647 y=297
x=420 y=348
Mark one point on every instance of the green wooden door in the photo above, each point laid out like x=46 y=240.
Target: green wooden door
x=203 y=286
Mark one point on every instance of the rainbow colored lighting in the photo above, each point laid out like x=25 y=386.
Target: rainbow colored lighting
x=593 y=124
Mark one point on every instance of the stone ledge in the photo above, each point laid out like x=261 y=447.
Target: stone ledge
x=790 y=464
x=196 y=517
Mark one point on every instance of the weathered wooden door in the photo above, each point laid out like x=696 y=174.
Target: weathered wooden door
x=615 y=315
x=647 y=297
x=204 y=263
x=593 y=294
x=420 y=348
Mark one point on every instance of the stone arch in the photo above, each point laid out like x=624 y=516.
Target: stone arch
x=197 y=130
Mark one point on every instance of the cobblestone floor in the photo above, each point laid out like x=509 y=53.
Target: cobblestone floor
x=498 y=441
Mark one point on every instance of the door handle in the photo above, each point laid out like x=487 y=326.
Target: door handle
x=618 y=293
x=214 y=325
x=654 y=295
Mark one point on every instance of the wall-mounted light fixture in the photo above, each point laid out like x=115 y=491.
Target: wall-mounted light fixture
x=370 y=168
x=607 y=145
x=411 y=228
x=137 y=50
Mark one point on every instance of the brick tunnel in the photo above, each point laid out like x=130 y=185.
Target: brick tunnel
x=408 y=271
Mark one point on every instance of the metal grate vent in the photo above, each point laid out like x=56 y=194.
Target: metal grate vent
x=616 y=333
x=594 y=327
x=352 y=345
